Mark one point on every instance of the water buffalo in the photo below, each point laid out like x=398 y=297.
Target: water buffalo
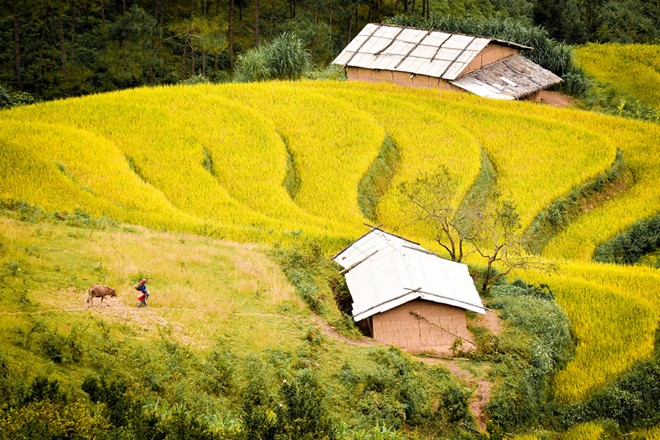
x=100 y=292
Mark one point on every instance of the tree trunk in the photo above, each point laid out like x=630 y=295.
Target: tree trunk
x=123 y=6
x=62 y=45
x=73 y=34
x=17 y=52
x=348 y=29
x=231 y=34
x=331 y=17
x=183 y=60
x=487 y=277
x=256 y=23
x=192 y=56
x=272 y=18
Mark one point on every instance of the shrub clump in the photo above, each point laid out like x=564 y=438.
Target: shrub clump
x=563 y=211
x=631 y=401
x=285 y=58
x=536 y=344
x=630 y=246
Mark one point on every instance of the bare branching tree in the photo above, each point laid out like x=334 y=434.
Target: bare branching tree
x=432 y=196
x=500 y=240
x=494 y=231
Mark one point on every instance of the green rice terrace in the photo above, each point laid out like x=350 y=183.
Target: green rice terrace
x=231 y=199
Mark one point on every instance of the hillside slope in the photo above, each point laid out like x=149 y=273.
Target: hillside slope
x=276 y=163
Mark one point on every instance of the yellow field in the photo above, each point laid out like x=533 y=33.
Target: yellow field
x=633 y=69
x=212 y=160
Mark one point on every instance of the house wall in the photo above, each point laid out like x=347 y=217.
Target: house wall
x=401 y=78
x=421 y=325
x=491 y=53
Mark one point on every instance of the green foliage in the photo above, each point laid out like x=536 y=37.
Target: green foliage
x=285 y=58
x=563 y=211
x=395 y=394
x=576 y=82
x=253 y=65
x=120 y=407
x=13 y=99
x=220 y=371
x=131 y=54
x=642 y=238
x=536 y=344
x=631 y=400
x=194 y=80
x=315 y=277
x=292 y=179
x=604 y=98
x=377 y=179
x=304 y=413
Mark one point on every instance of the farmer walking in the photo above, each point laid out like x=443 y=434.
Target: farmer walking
x=144 y=293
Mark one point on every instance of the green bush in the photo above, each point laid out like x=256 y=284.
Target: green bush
x=285 y=58
x=396 y=393
x=315 y=277
x=377 y=179
x=628 y=247
x=535 y=345
x=303 y=414
x=564 y=210
x=13 y=99
x=631 y=401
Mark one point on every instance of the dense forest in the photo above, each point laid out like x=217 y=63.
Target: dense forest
x=52 y=49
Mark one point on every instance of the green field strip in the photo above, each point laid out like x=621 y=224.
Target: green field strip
x=378 y=179
x=561 y=212
x=482 y=190
x=425 y=140
x=332 y=142
x=579 y=240
x=614 y=314
x=97 y=179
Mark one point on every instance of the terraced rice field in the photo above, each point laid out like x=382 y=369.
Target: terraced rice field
x=272 y=162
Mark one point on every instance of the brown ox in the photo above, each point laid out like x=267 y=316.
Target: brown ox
x=100 y=292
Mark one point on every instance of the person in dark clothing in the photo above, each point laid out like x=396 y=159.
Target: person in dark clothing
x=144 y=293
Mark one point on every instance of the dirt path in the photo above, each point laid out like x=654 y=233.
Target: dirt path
x=555 y=99
x=482 y=387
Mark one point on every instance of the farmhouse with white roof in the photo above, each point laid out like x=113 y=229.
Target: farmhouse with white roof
x=425 y=58
x=407 y=296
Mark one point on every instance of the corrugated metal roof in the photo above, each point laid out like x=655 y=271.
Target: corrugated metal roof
x=511 y=78
x=384 y=271
x=412 y=50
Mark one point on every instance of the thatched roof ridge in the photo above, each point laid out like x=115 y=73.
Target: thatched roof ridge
x=513 y=77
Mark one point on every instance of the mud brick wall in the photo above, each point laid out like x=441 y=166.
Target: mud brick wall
x=431 y=327
x=490 y=54
x=401 y=78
